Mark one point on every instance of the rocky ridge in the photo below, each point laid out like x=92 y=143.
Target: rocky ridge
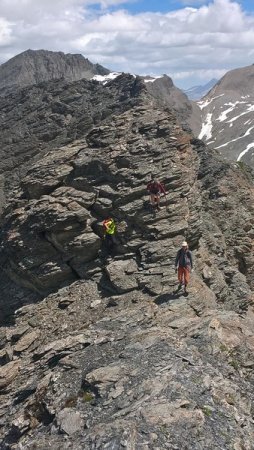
x=187 y=111
x=109 y=357
x=38 y=118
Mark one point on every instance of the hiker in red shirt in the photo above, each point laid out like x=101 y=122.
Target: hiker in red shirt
x=155 y=189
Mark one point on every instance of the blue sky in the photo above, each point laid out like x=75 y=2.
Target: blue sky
x=190 y=40
x=138 y=6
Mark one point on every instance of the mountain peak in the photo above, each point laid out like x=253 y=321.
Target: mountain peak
x=35 y=66
x=227 y=115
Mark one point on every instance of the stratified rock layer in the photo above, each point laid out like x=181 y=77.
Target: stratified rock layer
x=109 y=357
x=50 y=114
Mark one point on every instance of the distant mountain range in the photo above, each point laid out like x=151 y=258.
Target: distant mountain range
x=227 y=115
x=35 y=66
x=197 y=92
x=222 y=118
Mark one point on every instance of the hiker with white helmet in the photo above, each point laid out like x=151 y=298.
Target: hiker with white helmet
x=183 y=266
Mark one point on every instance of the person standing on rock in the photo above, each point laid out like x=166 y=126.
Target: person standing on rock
x=109 y=228
x=183 y=266
x=155 y=189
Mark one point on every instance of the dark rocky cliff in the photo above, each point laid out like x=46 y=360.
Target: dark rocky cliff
x=100 y=353
x=36 y=66
x=48 y=115
x=187 y=111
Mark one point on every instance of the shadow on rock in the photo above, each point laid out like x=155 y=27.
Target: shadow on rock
x=164 y=298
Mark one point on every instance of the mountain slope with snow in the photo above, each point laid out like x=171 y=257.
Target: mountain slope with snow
x=227 y=115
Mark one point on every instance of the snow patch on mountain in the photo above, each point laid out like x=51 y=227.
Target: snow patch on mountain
x=224 y=114
x=234 y=140
x=203 y=104
x=245 y=151
x=152 y=79
x=207 y=126
x=104 y=79
x=250 y=109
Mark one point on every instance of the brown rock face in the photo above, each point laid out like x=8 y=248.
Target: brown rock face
x=108 y=355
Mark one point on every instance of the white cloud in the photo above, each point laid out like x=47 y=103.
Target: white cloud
x=188 y=43
x=5 y=32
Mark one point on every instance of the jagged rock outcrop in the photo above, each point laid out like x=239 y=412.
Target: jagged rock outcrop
x=37 y=66
x=100 y=353
x=52 y=112
x=36 y=119
x=187 y=111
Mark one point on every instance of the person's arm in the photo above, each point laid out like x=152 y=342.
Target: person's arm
x=162 y=188
x=177 y=259
x=191 y=259
x=148 y=187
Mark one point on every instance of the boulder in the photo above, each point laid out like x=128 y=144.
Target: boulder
x=8 y=373
x=123 y=275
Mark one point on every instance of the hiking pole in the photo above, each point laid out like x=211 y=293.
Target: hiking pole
x=166 y=201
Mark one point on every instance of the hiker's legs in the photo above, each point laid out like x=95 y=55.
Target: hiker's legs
x=186 y=277
x=152 y=199
x=108 y=241
x=157 y=200
x=113 y=240
x=180 y=275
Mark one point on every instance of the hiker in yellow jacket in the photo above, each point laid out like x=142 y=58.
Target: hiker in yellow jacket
x=109 y=228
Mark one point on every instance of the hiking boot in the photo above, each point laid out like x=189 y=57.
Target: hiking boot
x=179 y=287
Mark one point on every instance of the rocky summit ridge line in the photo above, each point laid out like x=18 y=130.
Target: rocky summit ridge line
x=47 y=115
x=99 y=353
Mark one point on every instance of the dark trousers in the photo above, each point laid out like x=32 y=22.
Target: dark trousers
x=110 y=241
